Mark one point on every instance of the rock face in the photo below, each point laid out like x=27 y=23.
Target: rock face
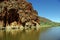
x=18 y=10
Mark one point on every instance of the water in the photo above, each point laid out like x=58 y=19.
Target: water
x=19 y=35
x=49 y=34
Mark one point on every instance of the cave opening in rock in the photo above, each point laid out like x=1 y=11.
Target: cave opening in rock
x=13 y=16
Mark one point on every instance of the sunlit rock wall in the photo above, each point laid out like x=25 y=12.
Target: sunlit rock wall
x=18 y=12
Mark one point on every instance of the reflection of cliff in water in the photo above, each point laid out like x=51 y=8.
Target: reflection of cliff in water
x=2 y=35
x=16 y=35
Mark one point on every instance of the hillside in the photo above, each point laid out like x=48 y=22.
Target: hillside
x=46 y=22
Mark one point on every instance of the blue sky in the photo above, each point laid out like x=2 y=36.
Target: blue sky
x=47 y=8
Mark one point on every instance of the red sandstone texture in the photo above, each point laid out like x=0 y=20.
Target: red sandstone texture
x=20 y=11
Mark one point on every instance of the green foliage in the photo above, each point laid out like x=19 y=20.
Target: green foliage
x=47 y=22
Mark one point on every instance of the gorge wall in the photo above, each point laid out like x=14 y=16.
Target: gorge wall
x=18 y=12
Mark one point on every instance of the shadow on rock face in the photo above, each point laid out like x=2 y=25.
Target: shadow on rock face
x=1 y=0
x=13 y=16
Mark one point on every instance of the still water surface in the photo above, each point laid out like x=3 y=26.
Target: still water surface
x=18 y=35
x=49 y=34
